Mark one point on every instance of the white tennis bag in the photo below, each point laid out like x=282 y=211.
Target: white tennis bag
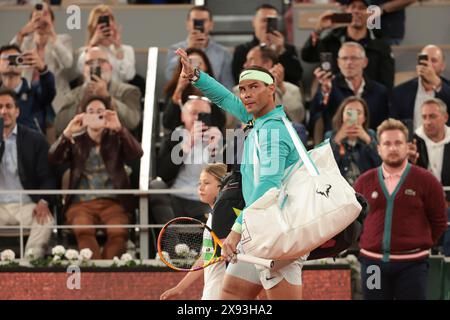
x=314 y=204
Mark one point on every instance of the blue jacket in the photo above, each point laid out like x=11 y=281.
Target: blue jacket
x=35 y=102
x=364 y=156
x=277 y=151
x=404 y=97
x=375 y=94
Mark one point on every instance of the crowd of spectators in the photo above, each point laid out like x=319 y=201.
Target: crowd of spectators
x=83 y=134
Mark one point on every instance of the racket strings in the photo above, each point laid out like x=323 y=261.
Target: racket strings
x=183 y=243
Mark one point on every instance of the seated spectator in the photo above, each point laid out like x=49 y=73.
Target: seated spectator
x=105 y=33
x=179 y=87
x=287 y=94
x=24 y=166
x=125 y=98
x=54 y=49
x=432 y=150
x=327 y=38
x=350 y=81
x=96 y=146
x=407 y=98
x=179 y=164
x=287 y=53
x=198 y=37
x=354 y=144
x=34 y=100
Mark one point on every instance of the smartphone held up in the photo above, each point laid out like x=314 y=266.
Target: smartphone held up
x=352 y=117
x=272 y=24
x=94 y=120
x=326 y=61
x=341 y=17
x=199 y=24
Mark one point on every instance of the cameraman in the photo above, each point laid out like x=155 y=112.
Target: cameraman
x=34 y=100
x=97 y=72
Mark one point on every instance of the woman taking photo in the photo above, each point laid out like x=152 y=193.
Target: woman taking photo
x=354 y=144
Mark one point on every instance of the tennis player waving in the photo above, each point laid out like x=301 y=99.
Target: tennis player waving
x=276 y=152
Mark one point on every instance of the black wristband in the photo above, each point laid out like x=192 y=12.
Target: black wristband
x=196 y=75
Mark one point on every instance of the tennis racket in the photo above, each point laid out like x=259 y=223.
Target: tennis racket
x=187 y=244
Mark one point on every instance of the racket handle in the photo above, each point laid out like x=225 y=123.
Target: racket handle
x=255 y=260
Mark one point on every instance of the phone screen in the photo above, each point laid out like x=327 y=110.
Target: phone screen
x=199 y=25
x=326 y=61
x=341 y=18
x=272 y=24
x=104 y=20
x=352 y=116
x=422 y=57
x=97 y=71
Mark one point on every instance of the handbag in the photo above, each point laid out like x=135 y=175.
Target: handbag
x=313 y=204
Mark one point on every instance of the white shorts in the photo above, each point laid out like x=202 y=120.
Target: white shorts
x=292 y=273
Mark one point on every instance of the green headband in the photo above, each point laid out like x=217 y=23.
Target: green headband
x=255 y=75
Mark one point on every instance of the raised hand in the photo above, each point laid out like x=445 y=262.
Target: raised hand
x=188 y=69
x=74 y=126
x=112 y=120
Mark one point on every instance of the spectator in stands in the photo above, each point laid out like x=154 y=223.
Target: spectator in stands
x=179 y=163
x=125 y=98
x=350 y=81
x=105 y=33
x=198 y=37
x=287 y=54
x=24 y=166
x=354 y=144
x=432 y=150
x=287 y=94
x=393 y=18
x=96 y=146
x=179 y=87
x=381 y=64
x=54 y=49
x=34 y=100
x=406 y=218
x=407 y=98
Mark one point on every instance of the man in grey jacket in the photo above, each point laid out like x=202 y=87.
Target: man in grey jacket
x=97 y=81
x=199 y=24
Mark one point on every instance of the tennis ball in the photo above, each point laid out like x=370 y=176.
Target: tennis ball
x=182 y=249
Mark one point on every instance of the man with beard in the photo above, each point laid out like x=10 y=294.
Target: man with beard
x=34 y=100
x=381 y=65
x=407 y=217
x=97 y=72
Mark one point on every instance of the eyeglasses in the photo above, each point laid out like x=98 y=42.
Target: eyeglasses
x=351 y=58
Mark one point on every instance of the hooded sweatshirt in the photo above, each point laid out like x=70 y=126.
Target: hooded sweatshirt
x=435 y=151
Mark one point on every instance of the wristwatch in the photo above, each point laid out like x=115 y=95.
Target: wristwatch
x=196 y=75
